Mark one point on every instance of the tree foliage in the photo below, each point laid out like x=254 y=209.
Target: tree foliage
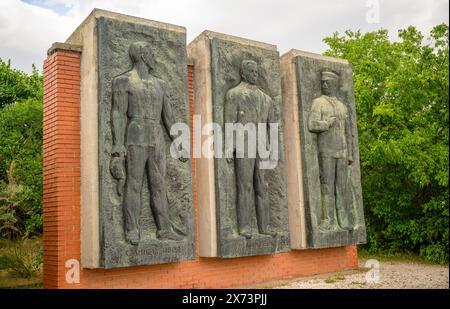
x=402 y=98
x=20 y=168
x=16 y=85
x=20 y=152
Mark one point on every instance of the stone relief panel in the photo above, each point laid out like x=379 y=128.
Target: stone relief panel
x=146 y=204
x=330 y=156
x=251 y=200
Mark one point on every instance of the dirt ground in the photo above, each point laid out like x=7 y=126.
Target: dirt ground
x=389 y=275
x=383 y=274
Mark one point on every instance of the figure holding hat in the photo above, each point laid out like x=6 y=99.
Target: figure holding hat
x=141 y=112
x=329 y=119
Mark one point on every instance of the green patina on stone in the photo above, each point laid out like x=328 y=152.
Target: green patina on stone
x=162 y=233
x=242 y=230
x=334 y=212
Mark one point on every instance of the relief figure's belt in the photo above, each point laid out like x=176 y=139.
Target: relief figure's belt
x=151 y=119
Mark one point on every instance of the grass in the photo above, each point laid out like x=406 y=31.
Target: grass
x=407 y=257
x=10 y=281
x=358 y=283
x=338 y=277
x=20 y=264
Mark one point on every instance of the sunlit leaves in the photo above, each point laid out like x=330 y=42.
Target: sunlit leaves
x=401 y=91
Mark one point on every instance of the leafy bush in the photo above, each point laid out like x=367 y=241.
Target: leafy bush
x=22 y=258
x=401 y=91
x=17 y=86
x=20 y=169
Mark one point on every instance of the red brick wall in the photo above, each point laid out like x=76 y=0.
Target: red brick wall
x=62 y=211
x=61 y=164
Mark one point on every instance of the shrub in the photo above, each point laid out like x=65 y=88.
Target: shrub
x=22 y=258
x=16 y=85
x=20 y=168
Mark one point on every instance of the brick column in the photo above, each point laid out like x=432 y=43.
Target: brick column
x=61 y=162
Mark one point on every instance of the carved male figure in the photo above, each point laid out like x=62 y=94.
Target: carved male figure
x=329 y=118
x=140 y=110
x=248 y=104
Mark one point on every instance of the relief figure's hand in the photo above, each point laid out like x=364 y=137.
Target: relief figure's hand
x=118 y=151
x=184 y=154
x=117 y=169
x=331 y=121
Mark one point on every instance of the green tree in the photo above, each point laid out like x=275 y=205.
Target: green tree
x=16 y=85
x=21 y=111
x=20 y=167
x=402 y=98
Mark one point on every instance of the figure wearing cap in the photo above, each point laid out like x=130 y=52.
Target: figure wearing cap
x=329 y=119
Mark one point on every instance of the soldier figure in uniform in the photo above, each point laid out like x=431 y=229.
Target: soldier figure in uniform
x=330 y=119
x=139 y=108
x=247 y=104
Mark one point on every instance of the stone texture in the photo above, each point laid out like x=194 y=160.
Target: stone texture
x=199 y=55
x=293 y=158
x=301 y=86
x=114 y=38
x=108 y=37
x=58 y=46
x=220 y=57
x=85 y=36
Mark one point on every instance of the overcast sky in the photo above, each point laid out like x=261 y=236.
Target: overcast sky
x=29 y=27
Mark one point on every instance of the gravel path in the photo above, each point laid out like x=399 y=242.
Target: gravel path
x=391 y=275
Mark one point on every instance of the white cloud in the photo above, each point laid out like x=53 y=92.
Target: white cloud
x=27 y=31
x=67 y=3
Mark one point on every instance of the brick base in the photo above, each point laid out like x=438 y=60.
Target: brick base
x=62 y=211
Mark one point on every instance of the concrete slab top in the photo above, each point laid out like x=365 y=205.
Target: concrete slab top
x=295 y=52
x=211 y=34
x=64 y=46
x=97 y=13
